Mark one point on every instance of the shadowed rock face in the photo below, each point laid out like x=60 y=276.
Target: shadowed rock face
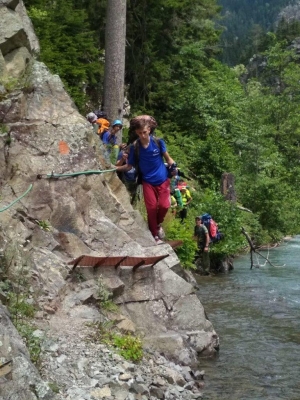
x=88 y=214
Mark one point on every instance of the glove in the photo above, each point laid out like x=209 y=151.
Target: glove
x=172 y=170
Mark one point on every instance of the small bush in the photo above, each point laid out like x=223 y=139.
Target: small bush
x=45 y=225
x=177 y=231
x=19 y=307
x=33 y=343
x=130 y=347
x=54 y=387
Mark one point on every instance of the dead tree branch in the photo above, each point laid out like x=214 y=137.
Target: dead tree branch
x=253 y=249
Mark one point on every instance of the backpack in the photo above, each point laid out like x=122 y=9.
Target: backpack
x=100 y=114
x=103 y=126
x=212 y=227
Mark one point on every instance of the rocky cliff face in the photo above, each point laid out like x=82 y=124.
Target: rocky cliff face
x=42 y=132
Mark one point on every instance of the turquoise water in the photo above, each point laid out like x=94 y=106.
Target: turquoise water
x=256 y=314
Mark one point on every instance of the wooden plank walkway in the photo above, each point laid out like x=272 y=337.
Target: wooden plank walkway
x=115 y=261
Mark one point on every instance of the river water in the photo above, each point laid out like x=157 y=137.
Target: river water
x=256 y=314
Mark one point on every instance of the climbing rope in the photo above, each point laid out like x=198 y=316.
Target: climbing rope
x=18 y=199
x=53 y=175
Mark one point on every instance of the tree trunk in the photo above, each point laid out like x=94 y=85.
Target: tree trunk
x=227 y=187
x=115 y=36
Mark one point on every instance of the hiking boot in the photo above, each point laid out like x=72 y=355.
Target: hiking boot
x=158 y=240
x=161 y=233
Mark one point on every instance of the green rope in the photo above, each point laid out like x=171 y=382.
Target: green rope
x=80 y=173
x=58 y=176
x=19 y=198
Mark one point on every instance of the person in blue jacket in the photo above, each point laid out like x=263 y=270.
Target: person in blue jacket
x=109 y=140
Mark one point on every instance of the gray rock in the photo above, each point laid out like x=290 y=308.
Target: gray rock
x=23 y=374
x=87 y=214
x=12 y=32
x=139 y=388
x=157 y=392
x=17 y=61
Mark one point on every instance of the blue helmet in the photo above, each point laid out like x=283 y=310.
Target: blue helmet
x=117 y=122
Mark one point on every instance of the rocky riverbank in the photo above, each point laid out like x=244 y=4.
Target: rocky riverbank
x=77 y=368
x=49 y=222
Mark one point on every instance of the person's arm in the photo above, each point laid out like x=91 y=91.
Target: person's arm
x=206 y=242
x=189 y=199
x=124 y=168
x=168 y=158
x=164 y=153
x=195 y=236
x=122 y=160
x=130 y=162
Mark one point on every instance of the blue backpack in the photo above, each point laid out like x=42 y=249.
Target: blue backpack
x=212 y=227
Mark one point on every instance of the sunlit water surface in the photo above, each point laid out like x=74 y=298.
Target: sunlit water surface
x=256 y=315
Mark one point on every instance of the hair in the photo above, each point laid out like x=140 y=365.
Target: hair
x=141 y=121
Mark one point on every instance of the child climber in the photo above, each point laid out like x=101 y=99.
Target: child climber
x=109 y=140
x=146 y=156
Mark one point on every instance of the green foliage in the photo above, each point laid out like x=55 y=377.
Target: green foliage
x=110 y=306
x=229 y=219
x=102 y=292
x=10 y=84
x=14 y=281
x=69 y=46
x=45 y=225
x=177 y=231
x=130 y=347
x=54 y=387
x=104 y=296
x=245 y=23
x=167 y=41
x=19 y=306
x=32 y=342
x=3 y=129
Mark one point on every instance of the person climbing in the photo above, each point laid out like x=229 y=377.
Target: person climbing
x=109 y=139
x=92 y=118
x=173 y=203
x=99 y=122
x=202 y=236
x=146 y=156
x=186 y=200
x=127 y=177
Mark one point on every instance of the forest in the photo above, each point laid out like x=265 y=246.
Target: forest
x=243 y=22
x=241 y=119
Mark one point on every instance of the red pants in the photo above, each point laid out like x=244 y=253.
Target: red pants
x=157 y=202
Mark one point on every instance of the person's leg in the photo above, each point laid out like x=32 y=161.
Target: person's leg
x=151 y=199
x=206 y=262
x=183 y=214
x=164 y=202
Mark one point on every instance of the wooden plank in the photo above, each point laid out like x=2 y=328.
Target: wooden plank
x=115 y=261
